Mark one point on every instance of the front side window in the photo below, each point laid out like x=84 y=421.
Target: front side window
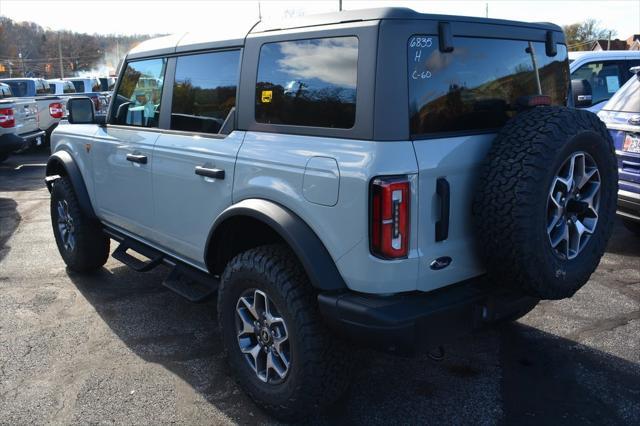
x=604 y=78
x=308 y=83
x=477 y=86
x=204 y=91
x=137 y=101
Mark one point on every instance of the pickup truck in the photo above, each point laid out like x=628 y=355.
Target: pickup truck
x=50 y=108
x=92 y=87
x=18 y=122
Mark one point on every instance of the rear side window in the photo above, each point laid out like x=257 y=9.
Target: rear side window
x=476 y=86
x=79 y=85
x=68 y=87
x=604 y=78
x=204 y=91
x=42 y=88
x=137 y=101
x=308 y=82
x=5 y=92
x=96 y=86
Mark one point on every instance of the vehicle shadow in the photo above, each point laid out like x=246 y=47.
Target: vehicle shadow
x=512 y=374
x=623 y=241
x=23 y=172
x=9 y=221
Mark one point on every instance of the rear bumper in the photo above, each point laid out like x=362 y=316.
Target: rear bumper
x=419 y=321
x=629 y=205
x=11 y=142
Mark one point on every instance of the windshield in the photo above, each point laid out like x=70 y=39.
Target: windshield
x=18 y=88
x=477 y=86
x=627 y=99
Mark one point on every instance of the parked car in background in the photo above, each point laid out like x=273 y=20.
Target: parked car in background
x=598 y=75
x=91 y=87
x=51 y=108
x=622 y=116
x=85 y=84
x=61 y=87
x=18 y=123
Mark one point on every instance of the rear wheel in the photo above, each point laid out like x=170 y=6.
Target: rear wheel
x=3 y=157
x=276 y=343
x=80 y=240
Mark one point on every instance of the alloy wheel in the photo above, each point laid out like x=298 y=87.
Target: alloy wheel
x=262 y=336
x=66 y=226
x=572 y=205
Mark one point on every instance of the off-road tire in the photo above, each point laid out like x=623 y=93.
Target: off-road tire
x=319 y=373
x=91 y=248
x=632 y=226
x=510 y=207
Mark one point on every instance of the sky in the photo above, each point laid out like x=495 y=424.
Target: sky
x=179 y=16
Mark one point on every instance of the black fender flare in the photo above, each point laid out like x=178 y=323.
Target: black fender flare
x=303 y=241
x=62 y=163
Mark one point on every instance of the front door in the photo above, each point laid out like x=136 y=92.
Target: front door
x=123 y=150
x=194 y=161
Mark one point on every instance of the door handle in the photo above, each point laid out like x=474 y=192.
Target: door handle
x=135 y=158
x=444 y=193
x=210 y=173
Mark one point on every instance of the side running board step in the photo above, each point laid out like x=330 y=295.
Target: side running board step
x=154 y=256
x=190 y=283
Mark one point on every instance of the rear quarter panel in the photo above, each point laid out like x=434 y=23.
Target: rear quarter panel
x=272 y=166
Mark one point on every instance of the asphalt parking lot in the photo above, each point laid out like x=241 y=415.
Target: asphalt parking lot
x=117 y=347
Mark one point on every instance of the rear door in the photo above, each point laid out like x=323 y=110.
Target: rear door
x=457 y=102
x=123 y=150
x=194 y=160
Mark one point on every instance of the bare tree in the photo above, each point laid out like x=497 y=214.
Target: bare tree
x=583 y=35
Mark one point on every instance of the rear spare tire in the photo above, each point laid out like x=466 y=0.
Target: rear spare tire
x=546 y=201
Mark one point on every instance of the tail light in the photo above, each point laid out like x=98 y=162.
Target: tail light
x=7 y=118
x=389 y=217
x=56 y=110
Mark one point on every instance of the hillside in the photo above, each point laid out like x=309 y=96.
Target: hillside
x=28 y=49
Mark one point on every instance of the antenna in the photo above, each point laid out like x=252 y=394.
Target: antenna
x=340 y=5
x=259 y=12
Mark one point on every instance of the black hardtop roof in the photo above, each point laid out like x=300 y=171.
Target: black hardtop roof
x=381 y=13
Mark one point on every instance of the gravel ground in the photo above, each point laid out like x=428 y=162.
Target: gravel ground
x=117 y=347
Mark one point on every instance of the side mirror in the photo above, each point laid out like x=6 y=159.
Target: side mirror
x=582 y=93
x=81 y=111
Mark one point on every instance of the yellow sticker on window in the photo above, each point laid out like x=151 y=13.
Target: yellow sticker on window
x=267 y=95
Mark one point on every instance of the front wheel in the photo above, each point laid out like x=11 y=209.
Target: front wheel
x=81 y=242
x=276 y=343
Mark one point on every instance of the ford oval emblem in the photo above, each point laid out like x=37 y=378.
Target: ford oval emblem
x=440 y=263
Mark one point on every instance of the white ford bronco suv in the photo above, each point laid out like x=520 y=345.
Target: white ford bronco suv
x=376 y=176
